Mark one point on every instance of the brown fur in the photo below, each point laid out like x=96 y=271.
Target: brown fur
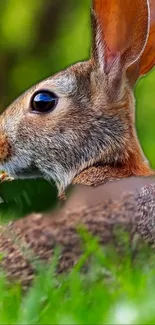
x=4 y=147
x=89 y=137
x=102 y=147
x=95 y=176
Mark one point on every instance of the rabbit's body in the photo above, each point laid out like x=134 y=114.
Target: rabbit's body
x=101 y=211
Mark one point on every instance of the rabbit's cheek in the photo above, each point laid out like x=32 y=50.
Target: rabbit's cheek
x=5 y=150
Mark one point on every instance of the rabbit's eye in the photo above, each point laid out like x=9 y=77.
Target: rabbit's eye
x=44 y=102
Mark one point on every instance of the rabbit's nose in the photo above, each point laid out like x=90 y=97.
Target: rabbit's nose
x=4 y=147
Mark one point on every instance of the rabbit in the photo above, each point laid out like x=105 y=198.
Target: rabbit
x=32 y=239
x=78 y=127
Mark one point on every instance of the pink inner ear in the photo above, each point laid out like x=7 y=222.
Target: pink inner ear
x=110 y=58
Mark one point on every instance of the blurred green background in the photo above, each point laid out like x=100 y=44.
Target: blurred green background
x=37 y=39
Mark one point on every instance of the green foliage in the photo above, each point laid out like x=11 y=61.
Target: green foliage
x=23 y=197
x=115 y=289
x=145 y=115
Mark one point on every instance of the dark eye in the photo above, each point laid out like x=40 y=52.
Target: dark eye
x=44 y=102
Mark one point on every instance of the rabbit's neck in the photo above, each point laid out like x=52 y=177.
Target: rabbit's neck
x=130 y=162
x=102 y=173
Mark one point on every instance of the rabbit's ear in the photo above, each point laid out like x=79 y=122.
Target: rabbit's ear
x=120 y=32
x=147 y=60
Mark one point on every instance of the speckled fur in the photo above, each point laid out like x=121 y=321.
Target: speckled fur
x=88 y=138
x=34 y=238
x=85 y=131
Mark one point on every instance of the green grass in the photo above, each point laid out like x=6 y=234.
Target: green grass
x=115 y=289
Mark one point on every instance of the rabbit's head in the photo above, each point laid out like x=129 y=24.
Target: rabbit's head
x=84 y=116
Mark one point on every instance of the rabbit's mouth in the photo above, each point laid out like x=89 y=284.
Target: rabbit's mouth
x=28 y=173
x=16 y=169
